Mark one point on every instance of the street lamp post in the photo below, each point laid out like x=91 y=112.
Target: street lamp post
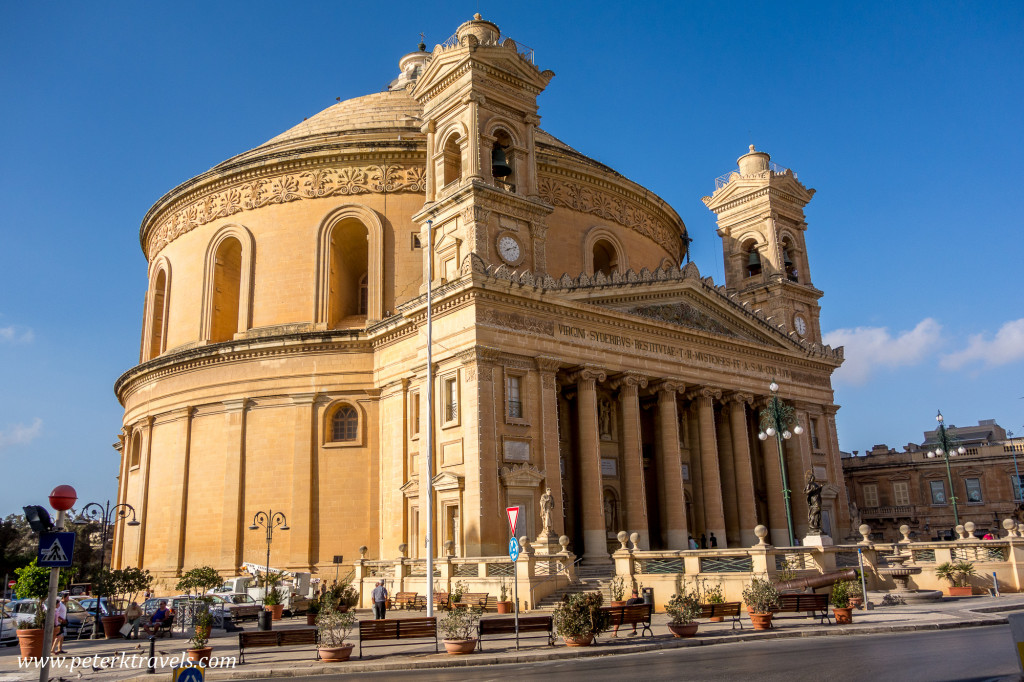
x=776 y=420
x=105 y=516
x=270 y=520
x=1017 y=496
x=948 y=446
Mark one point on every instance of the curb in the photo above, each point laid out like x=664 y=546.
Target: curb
x=584 y=652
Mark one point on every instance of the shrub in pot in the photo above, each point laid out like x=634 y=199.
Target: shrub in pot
x=504 y=605
x=761 y=596
x=334 y=627
x=33 y=583
x=682 y=608
x=578 y=617
x=712 y=595
x=120 y=586
x=840 y=598
x=312 y=611
x=198 y=650
x=959 y=577
x=459 y=629
x=618 y=590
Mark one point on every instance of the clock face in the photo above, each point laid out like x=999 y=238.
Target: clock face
x=801 y=326
x=508 y=249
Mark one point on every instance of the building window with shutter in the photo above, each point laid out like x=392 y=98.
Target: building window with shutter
x=973 y=490
x=871 y=495
x=514 y=397
x=900 y=493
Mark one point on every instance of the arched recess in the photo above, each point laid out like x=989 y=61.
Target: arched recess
x=344 y=424
x=343 y=261
x=792 y=257
x=750 y=258
x=500 y=133
x=135 y=451
x=602 y=250
x=227 y=284
x=158 y=306
x=450 y=161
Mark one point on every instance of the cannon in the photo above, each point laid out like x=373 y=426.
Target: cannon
x=823 y=580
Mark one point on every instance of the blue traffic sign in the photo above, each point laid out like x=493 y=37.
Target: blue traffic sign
x=56 y=549
x=189 y=674
x=513 y=549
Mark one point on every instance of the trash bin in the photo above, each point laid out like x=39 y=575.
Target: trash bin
x=263 y=620
x=648 y=594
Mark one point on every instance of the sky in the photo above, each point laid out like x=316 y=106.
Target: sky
x=905 y=117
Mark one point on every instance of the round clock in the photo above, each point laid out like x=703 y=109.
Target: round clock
x=800 y=324
x=509 y=250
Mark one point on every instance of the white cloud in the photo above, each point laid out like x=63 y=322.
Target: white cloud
x=20 y=434
x=15 y=334
x=1006 y=347
x=870 y=348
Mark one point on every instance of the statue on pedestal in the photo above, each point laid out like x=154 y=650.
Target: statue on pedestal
x=813 y=492
x=547 y=504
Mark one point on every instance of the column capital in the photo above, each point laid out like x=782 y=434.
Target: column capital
x=704 y=393
x=631 y=379
x=739 y=398
x=587 y=373
x=669 y=386
x=547 y=364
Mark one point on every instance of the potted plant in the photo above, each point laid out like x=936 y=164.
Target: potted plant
x=504 y=605
x=459 y=630
x=856 y=592
x=618 y=590
x=119 y=586
x=333 y=627
x=200 y=580
x=458 y=589
x=840 y=599
x=713 y=595
x=199 y=651
x=761 y=596
x=33 y=583
x=313 y=610
x=578 y=617
x=271 y=597
x=959 y=576
x=682 y=609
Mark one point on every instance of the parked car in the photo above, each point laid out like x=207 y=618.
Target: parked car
x=238 y=605
x=89 y=604
x=9 y=628
x=78 y=618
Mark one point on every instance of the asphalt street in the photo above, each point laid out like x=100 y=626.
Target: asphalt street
x=979 y=653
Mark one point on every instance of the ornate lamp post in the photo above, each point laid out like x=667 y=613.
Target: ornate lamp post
x=105 y=515
x=776 y=420
x=948 y=446
x=1016 y=481
x=270 y=520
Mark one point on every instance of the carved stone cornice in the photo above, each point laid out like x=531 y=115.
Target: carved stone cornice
x=587 y=374
x=631 y=379
x=521 y=476
x=547 y=364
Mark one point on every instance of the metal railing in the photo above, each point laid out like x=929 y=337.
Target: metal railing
x=515 y=409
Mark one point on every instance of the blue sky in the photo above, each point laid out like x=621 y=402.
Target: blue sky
x=904 y=116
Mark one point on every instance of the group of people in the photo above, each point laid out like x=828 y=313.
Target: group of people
x=133 y=618
x=705 y=542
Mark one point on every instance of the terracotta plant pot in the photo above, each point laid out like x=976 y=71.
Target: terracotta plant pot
x=336 y=654
x=761 y=621
x=688 y=630
x=460 y=646
x=504 y=607
x=310 y=618
x=276 y=611
x=199 y=655
x=203 y=630
x=585 y=640
x=844 y=616
x=112 y=625
x=856 y=602
x=31 y=643
x=961 y=591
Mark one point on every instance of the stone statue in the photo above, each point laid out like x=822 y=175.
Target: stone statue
x=547 y=504
x=855 y=519
x=813 y=492
x=604 y=417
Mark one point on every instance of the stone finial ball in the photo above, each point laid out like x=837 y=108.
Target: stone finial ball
x=969 y=526
x=761 y=532
x=524 y=541
x=905 y=529
x=563 y=541
x=960 y=529
x=363 y=550
x=634 y=538
x=622 y=536
x=1009 y=524
x=402 y=548
x=864 y=529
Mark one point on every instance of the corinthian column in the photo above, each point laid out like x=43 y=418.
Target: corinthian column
x=714 y=512
x=743 y=467
x=595 y=540
x=670 y=466
x=632 y=456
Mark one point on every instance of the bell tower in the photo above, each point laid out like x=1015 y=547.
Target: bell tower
x=760 y=210
x=479 y=96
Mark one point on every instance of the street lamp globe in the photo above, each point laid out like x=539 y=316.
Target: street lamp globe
x=962 y=450
x=786 y=434
x=938 y=451
x=938 y=417
x=770 y=431
x=773 y=387
x=762 y=436
x=284 y=527
x=254 y=527
x=798 y=429
x=931 y=455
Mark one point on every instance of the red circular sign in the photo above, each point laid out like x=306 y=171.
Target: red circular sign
x=63 y=497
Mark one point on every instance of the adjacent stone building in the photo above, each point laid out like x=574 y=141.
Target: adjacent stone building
x=283 y=359
x=890 y=488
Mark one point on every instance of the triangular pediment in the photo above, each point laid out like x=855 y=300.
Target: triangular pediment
x=446 y=480
x=739 y=186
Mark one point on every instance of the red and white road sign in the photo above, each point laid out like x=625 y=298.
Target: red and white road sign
x=513 y=516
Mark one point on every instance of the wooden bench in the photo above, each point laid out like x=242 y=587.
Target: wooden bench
x=729 y=609
x=814 y=605
x=474 y=600
x=507 y=626
x=441 y=600
x=407 y=600
x=637 y=614
x=398 y=628
x=252 y=640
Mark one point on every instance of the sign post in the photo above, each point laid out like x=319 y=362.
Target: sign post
x=513 y=553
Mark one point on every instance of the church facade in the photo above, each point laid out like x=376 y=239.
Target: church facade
x=283 y=364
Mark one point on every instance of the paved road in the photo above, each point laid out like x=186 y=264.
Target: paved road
x=963 y=654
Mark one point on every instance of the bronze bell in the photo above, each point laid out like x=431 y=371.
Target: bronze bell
x=785 y=257
x=754 y=259
x=499 y=164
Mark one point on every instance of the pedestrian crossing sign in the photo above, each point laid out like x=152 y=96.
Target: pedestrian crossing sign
x=189 y=673
x=56 y=549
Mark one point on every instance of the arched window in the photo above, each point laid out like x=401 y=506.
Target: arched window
x=751 y=259
x=136 y=451
x=348 y=296
x=606 y=258
x=452 y=160
x=157 y=315
x=788 y=262
x=344 y=424
x=227 y=280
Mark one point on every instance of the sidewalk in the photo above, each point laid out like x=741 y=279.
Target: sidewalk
x=301 y=660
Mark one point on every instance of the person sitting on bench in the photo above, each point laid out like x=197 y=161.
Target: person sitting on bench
x=157 y=618
x=632 y=601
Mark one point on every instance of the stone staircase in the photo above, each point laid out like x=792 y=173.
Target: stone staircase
x=591 y=578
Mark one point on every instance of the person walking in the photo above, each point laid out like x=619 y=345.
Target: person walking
x=380 y=600
x=703 y=541
x=60 y=625
x=714 y=541
x=692 y=544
